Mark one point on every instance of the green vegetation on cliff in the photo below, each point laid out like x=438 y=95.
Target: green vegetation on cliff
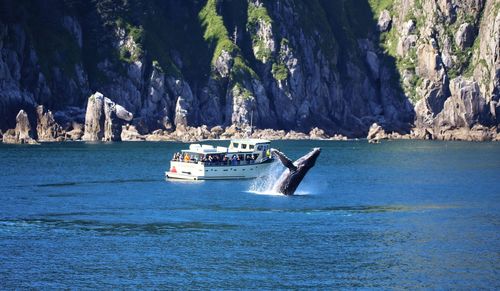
x=216 y=33
x=257 y=15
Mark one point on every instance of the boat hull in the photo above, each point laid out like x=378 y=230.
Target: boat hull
x=190 y=171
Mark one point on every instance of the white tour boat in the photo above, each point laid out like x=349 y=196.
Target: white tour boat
x=243 y=159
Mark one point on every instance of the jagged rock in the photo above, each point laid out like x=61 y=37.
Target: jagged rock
x=464 y=36
x=184 y=104
x=296 y=135
x=94 y=119
x=487 y=57
x=384 y=21
x=202 y=133
x=476 y=133
x=497 y=137
x=114 y=116
x=76 y=132
x=464 y=107
x=269 y=134
x=338 y=137
x=376 y=133
x=230 y=131
x=224 y=63
x=422 y=133
x=130 y=133
x=216 y=131
x=104 y=119
x=22 y=134
x=158 y=135
x=317 y=133
x=406 y=43
x=408 y=27
x=9 y=136
x=428 y=61
x=47 y=128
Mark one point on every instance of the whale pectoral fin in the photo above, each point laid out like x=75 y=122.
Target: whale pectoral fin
x=284 y=160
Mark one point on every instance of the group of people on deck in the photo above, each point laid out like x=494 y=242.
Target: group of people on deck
x=215 y=159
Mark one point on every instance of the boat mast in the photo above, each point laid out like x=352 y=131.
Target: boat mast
x=251 y=122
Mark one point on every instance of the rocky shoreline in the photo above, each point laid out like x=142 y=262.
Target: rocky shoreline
x=104 y=120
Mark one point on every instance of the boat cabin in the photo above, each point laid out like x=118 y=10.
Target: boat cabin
x=242 y=151
x=242 y=159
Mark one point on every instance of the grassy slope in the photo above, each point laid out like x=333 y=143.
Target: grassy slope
x=217 y=36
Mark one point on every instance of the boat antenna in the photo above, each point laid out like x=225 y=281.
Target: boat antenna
x=251 y=122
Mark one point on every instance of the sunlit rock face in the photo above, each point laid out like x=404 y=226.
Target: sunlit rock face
x=104 y=119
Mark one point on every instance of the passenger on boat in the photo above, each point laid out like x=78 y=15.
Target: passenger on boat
x=177 y=157
x=249 y=159
x=186 y=158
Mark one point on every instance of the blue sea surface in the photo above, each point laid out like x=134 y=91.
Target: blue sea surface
x=401 y=214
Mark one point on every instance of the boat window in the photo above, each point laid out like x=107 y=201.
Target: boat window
x=244 y=146
x=251 y=146
x=259 y=147
x=235 y=145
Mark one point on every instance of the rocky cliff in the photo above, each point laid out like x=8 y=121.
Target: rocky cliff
x=339 y=66
x=447 y=54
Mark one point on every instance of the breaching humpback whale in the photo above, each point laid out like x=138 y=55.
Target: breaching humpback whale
x=295 y=172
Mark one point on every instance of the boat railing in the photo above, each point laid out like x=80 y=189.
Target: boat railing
x=217 y=163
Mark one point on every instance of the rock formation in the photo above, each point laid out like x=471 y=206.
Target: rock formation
x=376 y=133
x=130 y=133
x=104 y=119
x=23 y=133
x=338 y=66
x=47 y=128
x=76 y=132
x=448 y=53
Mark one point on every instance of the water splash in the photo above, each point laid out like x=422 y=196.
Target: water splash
x=265 y=182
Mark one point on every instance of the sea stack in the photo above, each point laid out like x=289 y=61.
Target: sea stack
x=104 y=119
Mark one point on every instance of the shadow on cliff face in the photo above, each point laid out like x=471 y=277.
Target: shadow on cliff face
x=360 y=44
x=169 y=33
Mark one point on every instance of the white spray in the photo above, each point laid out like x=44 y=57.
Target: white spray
x=264 y=183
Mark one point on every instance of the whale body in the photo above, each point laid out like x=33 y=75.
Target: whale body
x=295 y=171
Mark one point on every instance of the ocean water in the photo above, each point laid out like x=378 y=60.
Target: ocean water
x=401 y=214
